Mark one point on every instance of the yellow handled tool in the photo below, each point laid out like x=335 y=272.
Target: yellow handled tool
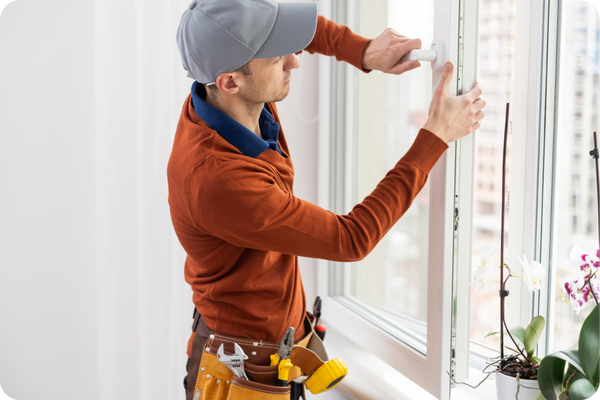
x=283 y=357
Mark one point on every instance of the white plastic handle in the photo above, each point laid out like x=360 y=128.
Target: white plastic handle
x=437 y=55
x=420 y=55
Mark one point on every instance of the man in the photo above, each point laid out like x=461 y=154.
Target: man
x=231 y=175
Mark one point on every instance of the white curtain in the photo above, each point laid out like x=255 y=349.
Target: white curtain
x=139 y=90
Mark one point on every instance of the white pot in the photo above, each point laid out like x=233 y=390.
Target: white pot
x=506 y=388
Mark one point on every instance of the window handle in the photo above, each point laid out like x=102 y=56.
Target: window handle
x=420 y=55
x=437 y=55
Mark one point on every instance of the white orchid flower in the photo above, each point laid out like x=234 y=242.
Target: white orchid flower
x=577 y=291
x=574 y=295
x=580 y=259
x=532 y=273
x=487 y=259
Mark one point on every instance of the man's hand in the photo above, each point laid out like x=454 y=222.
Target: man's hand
x=384 y=53
x=451 y=118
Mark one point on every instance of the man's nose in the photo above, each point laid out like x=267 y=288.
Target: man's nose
x=292 y=61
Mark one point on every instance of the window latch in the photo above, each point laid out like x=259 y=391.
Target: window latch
x=437 y=55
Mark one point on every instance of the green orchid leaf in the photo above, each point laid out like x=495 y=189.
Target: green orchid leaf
x=540 y=397
x=589 y=346
x=536 y=360
x=570 y=356
x=533 y=333
x=518 y=333
x=581 y=388
x=550 y=376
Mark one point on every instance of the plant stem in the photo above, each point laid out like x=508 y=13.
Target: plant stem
x=594 y=153
x=509 y=273
x=502 y=283
x=589 y=282
x=513 y=339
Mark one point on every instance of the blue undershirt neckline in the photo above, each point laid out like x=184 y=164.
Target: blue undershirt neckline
x=235 y=133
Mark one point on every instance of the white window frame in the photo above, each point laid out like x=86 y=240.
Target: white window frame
x=535 y=44
x=430 y=371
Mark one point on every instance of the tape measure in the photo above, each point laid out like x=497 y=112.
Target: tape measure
x=327 y=376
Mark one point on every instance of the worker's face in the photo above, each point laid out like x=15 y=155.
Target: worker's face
x=270 y=79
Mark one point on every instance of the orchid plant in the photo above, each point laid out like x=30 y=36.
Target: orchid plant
x=575 y=374
x=532 y=273
x=524 y=339
x=585 y=285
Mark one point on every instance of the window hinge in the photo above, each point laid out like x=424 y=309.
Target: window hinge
x=453 y=361
x=456 y=218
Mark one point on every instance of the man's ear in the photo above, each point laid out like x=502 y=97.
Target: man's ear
x=227 y=82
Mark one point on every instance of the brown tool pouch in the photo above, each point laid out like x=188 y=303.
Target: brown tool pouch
x=217 y=382
x=214 y=381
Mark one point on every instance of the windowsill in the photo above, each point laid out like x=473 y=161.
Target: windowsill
x=371 y=378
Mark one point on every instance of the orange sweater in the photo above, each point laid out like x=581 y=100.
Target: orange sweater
x=243 y=229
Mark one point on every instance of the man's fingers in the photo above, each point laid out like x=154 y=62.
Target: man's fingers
x=446 y=78
x=479 y=116
x=476 y=92
x=404 y=66
x=409 y=45
x=479 y=103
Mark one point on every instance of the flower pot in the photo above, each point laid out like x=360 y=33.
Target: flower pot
x=507 y=386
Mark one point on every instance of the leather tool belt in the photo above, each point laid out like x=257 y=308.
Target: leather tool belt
x=217 y=382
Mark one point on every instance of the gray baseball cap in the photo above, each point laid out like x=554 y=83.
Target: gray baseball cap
x=216 y=36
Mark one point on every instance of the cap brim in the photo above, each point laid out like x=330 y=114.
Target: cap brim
x=293 y=31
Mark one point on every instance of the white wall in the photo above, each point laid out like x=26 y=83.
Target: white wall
x=47 y=289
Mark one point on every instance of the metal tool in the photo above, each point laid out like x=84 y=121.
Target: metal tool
x=317 y=309
x=235 y=361
x=283 y=357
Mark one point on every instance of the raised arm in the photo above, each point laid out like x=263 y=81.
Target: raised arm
x=383 y=53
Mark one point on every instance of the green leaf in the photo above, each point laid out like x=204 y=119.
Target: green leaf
x=518 y=333
x=536 y=360
x=540 y=397
x=550 y=376
x=570 y=356
x=589 y=346
x=581 y=388
x=551 y=372
x=533 y=333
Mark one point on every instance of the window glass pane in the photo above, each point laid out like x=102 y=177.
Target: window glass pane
x=495 y=70
x=575 y=213
x=392 y=280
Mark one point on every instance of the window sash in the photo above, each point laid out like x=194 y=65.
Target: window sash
x=531 y=207
x=385 y=341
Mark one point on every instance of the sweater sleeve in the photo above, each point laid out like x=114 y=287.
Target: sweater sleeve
x=332 y=39
x=244 y=205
